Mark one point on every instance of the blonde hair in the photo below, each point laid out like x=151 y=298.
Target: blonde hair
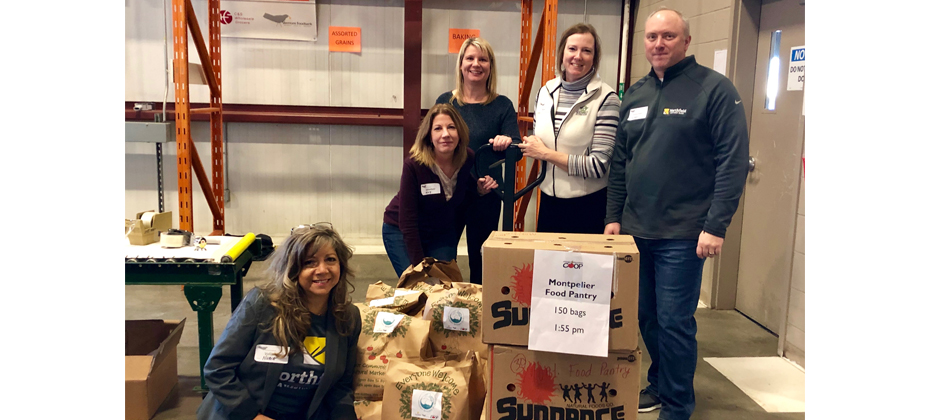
x=578 y=28
x=490 y=85
x=292 y=317
x=422 y=150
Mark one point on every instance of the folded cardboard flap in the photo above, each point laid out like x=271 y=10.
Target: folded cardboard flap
x=147 y=339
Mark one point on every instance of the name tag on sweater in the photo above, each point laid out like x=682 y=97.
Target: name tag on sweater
x=429 y=189
x=638 y=113
x=265 y=353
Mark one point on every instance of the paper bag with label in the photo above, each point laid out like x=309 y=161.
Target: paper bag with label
x=386 y=335
x=439 y=388
x=410 y=302
x=430 y=271
x=455 y=314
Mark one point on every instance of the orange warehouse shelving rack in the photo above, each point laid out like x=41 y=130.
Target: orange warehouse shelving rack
x=184 y=19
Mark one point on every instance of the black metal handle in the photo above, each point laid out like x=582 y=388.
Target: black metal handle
x=486 y=158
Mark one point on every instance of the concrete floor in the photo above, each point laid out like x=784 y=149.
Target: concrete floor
x=720 y=334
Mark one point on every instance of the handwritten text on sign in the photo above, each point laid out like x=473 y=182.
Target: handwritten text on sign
x=457 y=37
x=571 y=302
x=345 y=39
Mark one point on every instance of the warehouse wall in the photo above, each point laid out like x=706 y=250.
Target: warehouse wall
x=284 y=174
x=711 y=27
x=794 y=335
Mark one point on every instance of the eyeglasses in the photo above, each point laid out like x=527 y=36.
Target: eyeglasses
x=317 y=225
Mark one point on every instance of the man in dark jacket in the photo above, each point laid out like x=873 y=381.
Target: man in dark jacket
x=678 y=170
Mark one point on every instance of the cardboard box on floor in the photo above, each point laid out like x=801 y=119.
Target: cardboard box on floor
x=527 y=384
x=140 y=234
x=151 y=364
x=508 y=283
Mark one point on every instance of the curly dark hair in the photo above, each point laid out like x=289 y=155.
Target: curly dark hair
x=292 y=317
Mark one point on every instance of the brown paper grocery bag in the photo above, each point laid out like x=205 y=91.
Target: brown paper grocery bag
x=408 y=340
x=368 y=410
x=408 y=301
x=450 y=377
x=430 y=271
x=447 y=309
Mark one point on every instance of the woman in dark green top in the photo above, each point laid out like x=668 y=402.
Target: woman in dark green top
x=491 y=119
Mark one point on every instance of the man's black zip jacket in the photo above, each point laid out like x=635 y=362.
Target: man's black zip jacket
x=680 y=163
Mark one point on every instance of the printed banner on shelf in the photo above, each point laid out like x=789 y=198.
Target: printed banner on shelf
x=292 y=20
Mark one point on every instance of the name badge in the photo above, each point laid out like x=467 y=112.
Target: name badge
x=543 y=108
x=267 y=353
x=429 y=189
x=637 y=113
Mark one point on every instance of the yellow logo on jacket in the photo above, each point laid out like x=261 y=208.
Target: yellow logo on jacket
x=316 y=350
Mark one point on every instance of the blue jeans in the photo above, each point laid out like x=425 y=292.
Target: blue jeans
x=669 y=289
x=443 y=248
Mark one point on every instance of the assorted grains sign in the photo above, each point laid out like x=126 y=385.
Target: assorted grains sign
x=345 y=39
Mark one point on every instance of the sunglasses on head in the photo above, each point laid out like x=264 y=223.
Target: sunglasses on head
x=305 y=227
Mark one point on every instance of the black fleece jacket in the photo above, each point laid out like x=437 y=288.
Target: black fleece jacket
x=682 y=153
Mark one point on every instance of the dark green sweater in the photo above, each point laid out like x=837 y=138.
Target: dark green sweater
x=681 y=168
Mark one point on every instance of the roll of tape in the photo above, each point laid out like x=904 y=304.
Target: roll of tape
x=173 y=239
x=147 y=219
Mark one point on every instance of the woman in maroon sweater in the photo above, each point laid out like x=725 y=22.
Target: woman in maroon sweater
x=426 y=217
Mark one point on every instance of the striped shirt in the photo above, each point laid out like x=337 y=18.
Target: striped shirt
x=596 y=160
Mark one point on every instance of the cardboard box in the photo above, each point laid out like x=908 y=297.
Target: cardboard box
x=528 y=384
x=151 y=364
x=141 y=233
x=555 y=237
x=508 y=284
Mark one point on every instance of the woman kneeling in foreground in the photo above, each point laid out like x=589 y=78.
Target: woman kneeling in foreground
x=289 y=349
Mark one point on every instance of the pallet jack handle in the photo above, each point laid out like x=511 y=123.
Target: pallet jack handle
x=486 y=159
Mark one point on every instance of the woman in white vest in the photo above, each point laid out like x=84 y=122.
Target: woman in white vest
x=575 y=128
